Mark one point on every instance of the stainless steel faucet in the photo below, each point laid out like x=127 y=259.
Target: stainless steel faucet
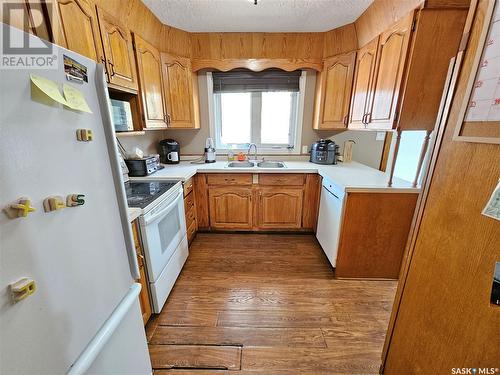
x=249 y=149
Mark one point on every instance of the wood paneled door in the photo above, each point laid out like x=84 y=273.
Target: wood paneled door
x=279 y=207
x=231 y=208
x=118 y=52
x=363 y=76
x=144 y=300
x=333 y=92
x=180 y=90
x=75 y=27
x=150 y=84
x=391 y=58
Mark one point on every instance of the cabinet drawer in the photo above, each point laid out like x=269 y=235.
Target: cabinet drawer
x=188 y=186
x=190 y=216
x=229 y=179
x=191 y=231
x=282 y=179
x=188 y=202
x=135 y=233
x=140 y=257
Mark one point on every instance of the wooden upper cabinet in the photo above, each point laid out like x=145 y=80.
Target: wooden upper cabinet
x=180 y=89
x=27 y=15
x=118 y=52
x=279 y=208
x=333 y=92
x=363 y=77
x=404 y=88
x=231 y=207
x=391 y=58
x=75 y=27
x=150 y=84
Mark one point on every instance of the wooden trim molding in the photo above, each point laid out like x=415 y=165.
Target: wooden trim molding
x=256 y=65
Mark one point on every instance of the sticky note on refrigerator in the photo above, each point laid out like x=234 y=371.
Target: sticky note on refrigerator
x=49 y=88
x=75 y=99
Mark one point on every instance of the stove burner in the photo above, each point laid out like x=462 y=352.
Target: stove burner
x=141 y=194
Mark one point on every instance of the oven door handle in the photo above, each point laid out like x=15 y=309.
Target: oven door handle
x=149 y=220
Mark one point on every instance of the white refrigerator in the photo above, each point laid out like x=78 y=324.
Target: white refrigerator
x=81 y=312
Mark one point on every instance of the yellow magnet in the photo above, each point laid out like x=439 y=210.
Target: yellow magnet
x=53 y=203
x=22 y=288
x=84 y=135
x=73 y=200
x=20 y=209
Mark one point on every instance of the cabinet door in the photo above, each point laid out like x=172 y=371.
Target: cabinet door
x=75 y=27
x=118 y=51
x=391 y=58
x=363 y=77
x=334 y=92
x=150 y=84
x=230 y=207
x=179 y=91
x=280 y=208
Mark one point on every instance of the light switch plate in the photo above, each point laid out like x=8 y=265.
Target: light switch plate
x=305 y=149
x=380 y=136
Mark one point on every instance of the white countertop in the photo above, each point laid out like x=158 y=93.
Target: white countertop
x=351 y=176
x=134 y=213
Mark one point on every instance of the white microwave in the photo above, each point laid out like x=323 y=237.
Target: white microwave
x=122 y=115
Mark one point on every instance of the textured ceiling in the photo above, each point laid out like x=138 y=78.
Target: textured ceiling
x=267 y=16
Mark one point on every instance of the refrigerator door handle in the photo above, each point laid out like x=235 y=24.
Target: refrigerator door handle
x=95 y=346
x=102 y=91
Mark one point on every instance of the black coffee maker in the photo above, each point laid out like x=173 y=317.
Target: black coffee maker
x=170 y=151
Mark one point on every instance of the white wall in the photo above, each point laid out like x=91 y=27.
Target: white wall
x=366 y=150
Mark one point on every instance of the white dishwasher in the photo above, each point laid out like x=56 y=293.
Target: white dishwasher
x=330 y=218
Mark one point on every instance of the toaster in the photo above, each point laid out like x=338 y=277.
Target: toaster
x=142 y=167
x=324 y=151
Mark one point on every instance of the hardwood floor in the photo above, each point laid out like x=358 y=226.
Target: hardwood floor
x=268 y=304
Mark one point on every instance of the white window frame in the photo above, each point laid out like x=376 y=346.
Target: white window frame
x=297 y=118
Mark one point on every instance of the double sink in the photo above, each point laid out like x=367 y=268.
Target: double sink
x=258 y=164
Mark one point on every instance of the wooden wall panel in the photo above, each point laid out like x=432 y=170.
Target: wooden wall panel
x=175 y=41
x=445 y=319
x=137 y=17
x=340 y=40
x=380 y=15
x=257 y=45
x=383 y=13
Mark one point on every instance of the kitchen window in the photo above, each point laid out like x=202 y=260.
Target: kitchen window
x=257 y=107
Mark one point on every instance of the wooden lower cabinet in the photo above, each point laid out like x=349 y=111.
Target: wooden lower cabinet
x=275 y=201
x=279 y=208
x=144 y=300
x=374 y=232
x=190 y=209
x=230 y=207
